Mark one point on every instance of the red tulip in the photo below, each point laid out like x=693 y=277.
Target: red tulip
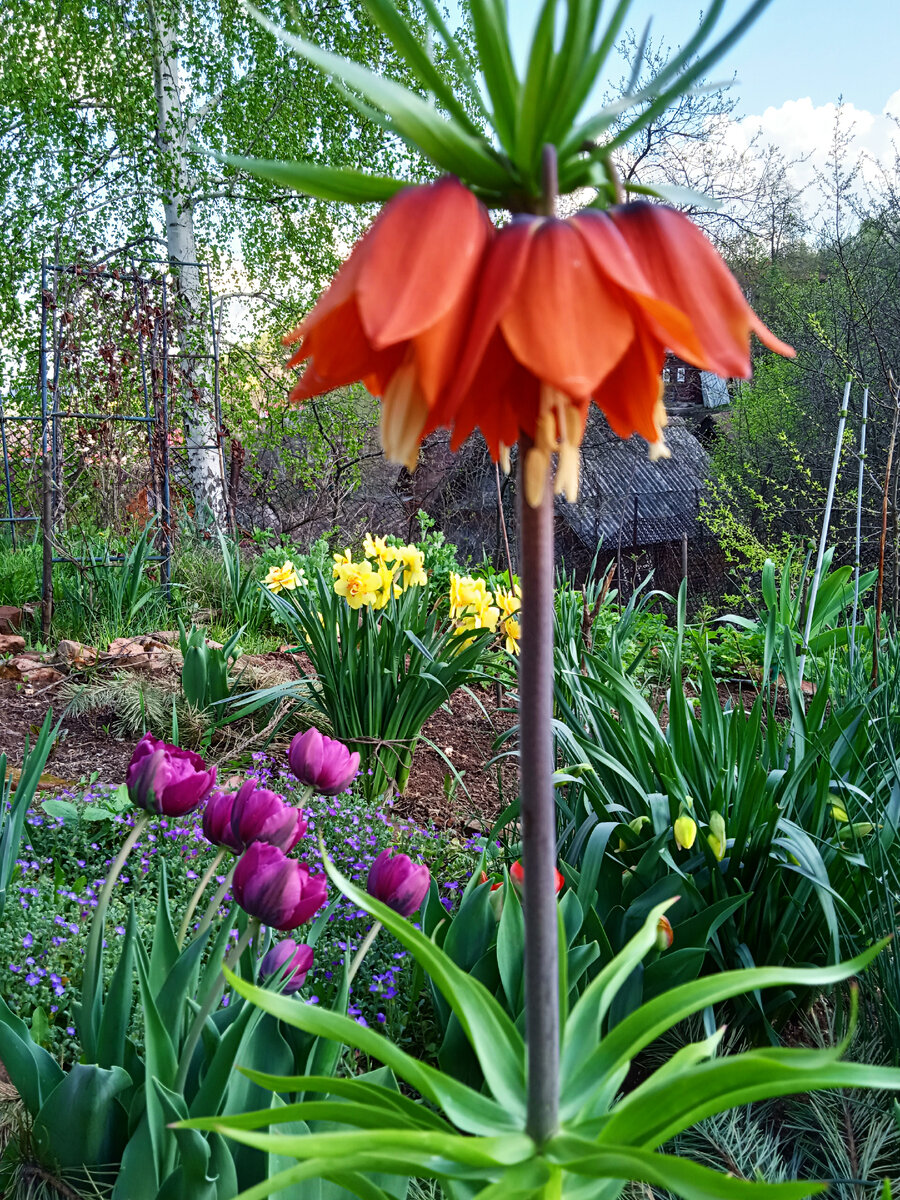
x=665 y=935
x=517 y=875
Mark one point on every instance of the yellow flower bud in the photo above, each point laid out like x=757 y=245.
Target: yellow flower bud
x=685 y=831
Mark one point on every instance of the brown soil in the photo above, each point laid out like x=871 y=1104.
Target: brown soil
x=465 y=735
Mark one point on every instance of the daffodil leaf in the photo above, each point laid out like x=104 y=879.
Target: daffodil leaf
x=325 y=183
x=443 y=141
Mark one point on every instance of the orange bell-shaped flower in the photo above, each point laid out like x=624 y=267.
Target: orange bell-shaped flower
x=457 y=325
x=396 y=312
x=583 y=309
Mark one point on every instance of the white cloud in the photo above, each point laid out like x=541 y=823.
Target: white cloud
x=804 y=130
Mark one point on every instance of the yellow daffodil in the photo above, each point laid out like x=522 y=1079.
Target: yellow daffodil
x=385 y=583
x=509 y=600
x=412 y=560
x=341 y=560
x=375 y=547
x=284 y=578
x=468 y=593
x=513 y=633
x=358 y=583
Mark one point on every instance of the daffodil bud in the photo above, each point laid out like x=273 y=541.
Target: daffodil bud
x=685 y=831
x=716 y=837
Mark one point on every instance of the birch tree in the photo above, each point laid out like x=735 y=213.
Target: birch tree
x=104 y=112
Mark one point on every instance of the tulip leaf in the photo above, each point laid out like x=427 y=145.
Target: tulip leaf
x=116 y=1019
x=418 y=122
x=164 y=950
x=356 y=1089
x=80 y=1123
x=34 y=1072
x=487 y=1026
x=220 y=1066
x=466 y=1108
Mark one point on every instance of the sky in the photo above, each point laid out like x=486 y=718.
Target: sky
x=793 y=66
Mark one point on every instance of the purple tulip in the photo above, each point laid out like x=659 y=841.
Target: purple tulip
x=167 y=780
x=289 y=960
x=398 y=882
x=252 y=814
x=278 y=890
x=322 y=762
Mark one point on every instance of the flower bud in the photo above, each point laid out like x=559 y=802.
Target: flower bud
x=322 y=762
x=289 y=960
x=685 y=831
x=167 y=780
x=517 y=875
x=716 y=837
x=665 y=935
x=279 y=891
x=398 y=882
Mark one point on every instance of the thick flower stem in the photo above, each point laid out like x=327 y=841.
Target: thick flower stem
x=109 y=883
x=212 y=1000
x=536 y=781
x=198 y=895
x=215 y=904
x=538 y=813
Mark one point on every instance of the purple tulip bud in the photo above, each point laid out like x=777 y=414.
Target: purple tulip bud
x=398 y=882
x=289 y=960
x=278 y=890
x=217 y=821
x=167 y=780
x=322 y=762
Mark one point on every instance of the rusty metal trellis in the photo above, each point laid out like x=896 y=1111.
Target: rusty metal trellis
x=155 y=389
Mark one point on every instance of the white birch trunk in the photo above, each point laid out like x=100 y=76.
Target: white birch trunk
x=204 y=455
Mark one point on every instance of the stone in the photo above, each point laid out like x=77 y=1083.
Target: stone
x=11 y=643
x=11 y=618
x=76 y=653
x=28 y=670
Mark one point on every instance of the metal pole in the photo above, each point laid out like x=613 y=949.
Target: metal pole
x=217 y=406
x=142 y=356
x=859 y=496
x=46 y=473
x=9 y=503
x=826 y=521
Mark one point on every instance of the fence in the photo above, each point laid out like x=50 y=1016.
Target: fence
x=97 y=445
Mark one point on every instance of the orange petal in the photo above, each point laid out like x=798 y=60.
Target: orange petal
x=629 y=395
x=612 y=255
x=502 y=399
x=500 y=277
x=566 y=323
x=684 y=269
x=425 y=248
x=340 y=353
x=339 y=292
